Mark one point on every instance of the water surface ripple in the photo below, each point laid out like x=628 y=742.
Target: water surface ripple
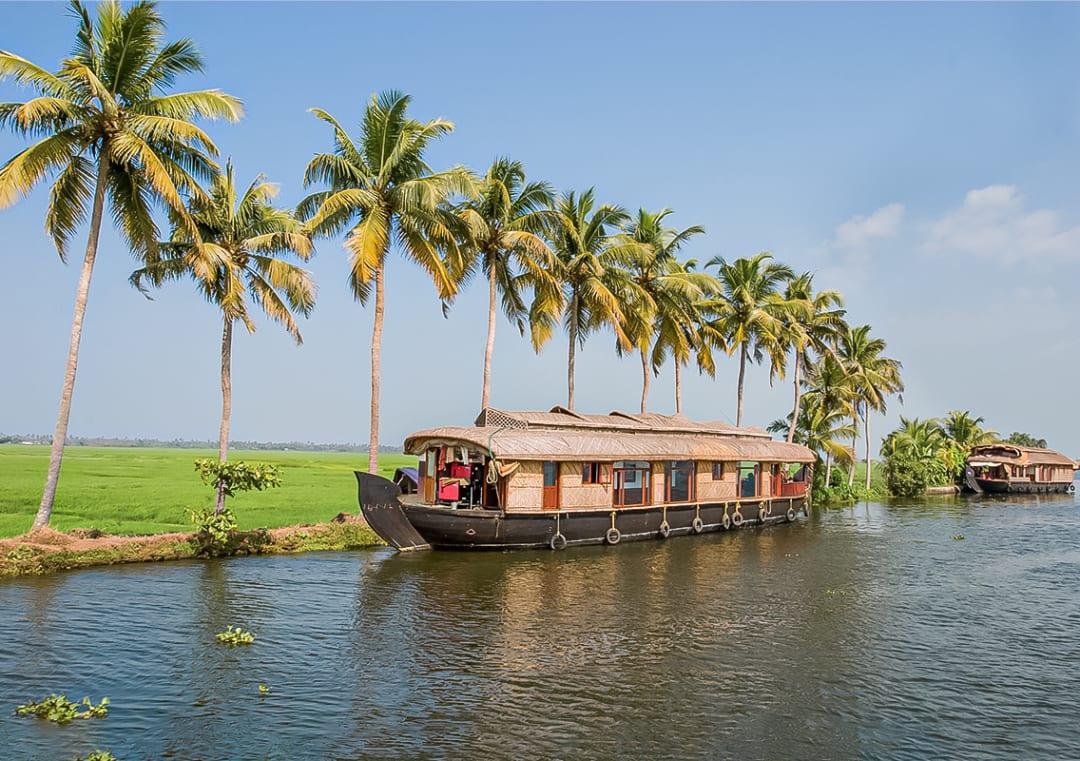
x=867 y=632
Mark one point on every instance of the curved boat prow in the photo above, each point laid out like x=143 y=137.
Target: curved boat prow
x=382 y=511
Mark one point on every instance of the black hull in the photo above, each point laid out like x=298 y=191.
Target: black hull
x=406 y=525
x=1022 y=487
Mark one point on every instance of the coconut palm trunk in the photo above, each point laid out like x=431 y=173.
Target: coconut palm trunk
x=376 y=365
x=570 y=356
x=742 y=377
x=798 y=398
x=678 y=386
x=56 y=454
x=644 y=382
x=226 y=405
x=866 y=435
x=489 y=347
x=828 y=470
x=854 y=448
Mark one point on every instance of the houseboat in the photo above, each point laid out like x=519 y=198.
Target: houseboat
x=1009 y=469
x=551 y=479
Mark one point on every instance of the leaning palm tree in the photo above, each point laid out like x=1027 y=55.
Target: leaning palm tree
x=593 y=289
x=505 y=224
x=380 y=189
x=812 y=329
x=750 y=310
x=108 y=130
x=240 y=247
x=874 y=377
x=670 y=293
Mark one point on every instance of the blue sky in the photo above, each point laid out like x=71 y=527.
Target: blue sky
x=922 y=158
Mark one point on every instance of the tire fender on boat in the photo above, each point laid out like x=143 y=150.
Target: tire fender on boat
x=736 y=518
x=665 y=530
x=726 y=521
x=612 y=536
x=791 y=514
x=698 y=525
x=558 y=542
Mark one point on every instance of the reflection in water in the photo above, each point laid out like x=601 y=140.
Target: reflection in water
x=863 y=632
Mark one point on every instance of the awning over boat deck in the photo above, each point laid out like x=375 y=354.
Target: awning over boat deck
x=586 y=445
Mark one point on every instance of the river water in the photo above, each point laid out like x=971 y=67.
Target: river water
x=864 y=632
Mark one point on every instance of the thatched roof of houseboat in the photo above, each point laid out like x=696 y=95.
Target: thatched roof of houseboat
x=561 y=434
x=1011 y=454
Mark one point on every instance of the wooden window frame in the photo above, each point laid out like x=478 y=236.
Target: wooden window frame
x=592 y=473
x=544 y=487
x=646 y=485
x=692 y=482
x=718 y=470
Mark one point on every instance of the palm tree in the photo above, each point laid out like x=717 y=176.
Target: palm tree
x=829 y=388
x=967 y=431
x=821 y=428
x=506 y=222
x=107 y=129
x=874 y=377
x=593 y=288
x=815 y=327
x=749 y=310
x=379 y=189
x=239 y=247
x=670 y=293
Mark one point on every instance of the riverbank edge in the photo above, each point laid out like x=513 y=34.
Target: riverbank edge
x=47 y=551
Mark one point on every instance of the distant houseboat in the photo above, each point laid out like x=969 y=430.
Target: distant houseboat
x=1006 y=468
x=551 y=479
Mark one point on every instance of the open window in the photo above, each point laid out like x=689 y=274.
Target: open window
x=631 y=483
x=679 y=480
x=749 y=479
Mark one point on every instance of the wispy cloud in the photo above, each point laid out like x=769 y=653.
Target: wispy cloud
x=861 y=230
x=993 y=222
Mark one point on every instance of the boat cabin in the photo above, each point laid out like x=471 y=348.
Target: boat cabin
x=562 y=460
x=1005 y=467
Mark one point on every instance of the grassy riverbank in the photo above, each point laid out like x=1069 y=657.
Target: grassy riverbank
x=131 y=491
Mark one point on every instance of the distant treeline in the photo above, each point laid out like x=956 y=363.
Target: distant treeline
x=103 y=441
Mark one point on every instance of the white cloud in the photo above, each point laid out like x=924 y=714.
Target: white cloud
x=992 y=222
x=860 y=230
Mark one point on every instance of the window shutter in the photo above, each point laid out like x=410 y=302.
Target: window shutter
x=605 y=473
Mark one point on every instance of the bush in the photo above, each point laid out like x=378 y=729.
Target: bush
x=234 y=476
x=908 y=475
x=213 y=530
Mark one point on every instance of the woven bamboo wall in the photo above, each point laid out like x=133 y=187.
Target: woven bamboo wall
x=709 y=490
x=574 y=494
x=526 y=490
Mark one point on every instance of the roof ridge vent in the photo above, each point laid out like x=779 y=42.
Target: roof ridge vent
x=490 y=417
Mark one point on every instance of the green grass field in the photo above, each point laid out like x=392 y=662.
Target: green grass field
x=145 y=491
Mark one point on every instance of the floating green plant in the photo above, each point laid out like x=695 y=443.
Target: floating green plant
x=958 y=537
x=264 y=689
x=57 y=708
x=98 y=755
x=235 y=636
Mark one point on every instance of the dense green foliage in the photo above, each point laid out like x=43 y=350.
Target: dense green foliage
x=1025 y=440
x=60 y=710
x=924 y=453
